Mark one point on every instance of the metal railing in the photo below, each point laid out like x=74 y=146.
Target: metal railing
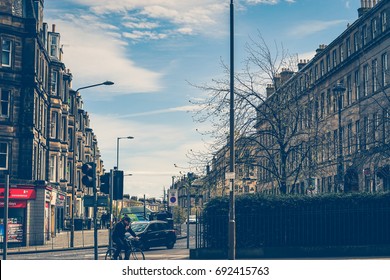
x=363 y=226
x=57 y=241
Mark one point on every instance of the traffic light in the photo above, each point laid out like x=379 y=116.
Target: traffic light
x=118 y=185
x=105 y=183
x=89 y=171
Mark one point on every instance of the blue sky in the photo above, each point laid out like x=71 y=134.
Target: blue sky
x=151 y=49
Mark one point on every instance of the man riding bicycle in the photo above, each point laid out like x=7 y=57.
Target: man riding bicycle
x=119 y=235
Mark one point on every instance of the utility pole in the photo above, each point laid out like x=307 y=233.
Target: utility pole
x=5 y=223
x=232 y=222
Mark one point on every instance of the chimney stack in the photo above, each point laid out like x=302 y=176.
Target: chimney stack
x=53 y=28
x=269 y=90
x=320 y=48
x=285 y=75
x=302 y=63
x=366 y=5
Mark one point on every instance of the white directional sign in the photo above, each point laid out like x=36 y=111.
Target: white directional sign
x=230 y=175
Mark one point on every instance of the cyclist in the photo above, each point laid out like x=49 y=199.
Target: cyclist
x=118 y=236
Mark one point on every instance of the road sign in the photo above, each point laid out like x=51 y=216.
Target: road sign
x=230 y=175
x=102 y=201
x=173 y=198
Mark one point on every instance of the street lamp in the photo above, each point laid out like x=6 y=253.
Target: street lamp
x=117 y=162
x=112 y=187
x=339 y=90
x=124 y=175
x=187 y=187
x=232 y=223
x=117 y=148
x=106 y=83
x=188 y=204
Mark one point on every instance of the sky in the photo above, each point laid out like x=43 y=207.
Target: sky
x=153 y=50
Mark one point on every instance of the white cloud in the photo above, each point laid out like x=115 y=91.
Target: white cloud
x=254 y=2
x=185 y=30
x=200 y=15
x=310 y=27
x=307 y=55
x=150 y=156
x=137 y=35
x=140 y=25
x=188 y=108
x=93 y=56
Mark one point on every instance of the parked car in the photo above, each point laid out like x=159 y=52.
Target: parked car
x=192 y=219
x=154 y=234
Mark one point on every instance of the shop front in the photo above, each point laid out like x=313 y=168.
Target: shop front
x=17 y=214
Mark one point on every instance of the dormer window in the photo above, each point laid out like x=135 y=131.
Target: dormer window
x=54 y=45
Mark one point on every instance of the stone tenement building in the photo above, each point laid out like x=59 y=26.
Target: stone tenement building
x=357 y=60
x=45 y=134
x=307 y=112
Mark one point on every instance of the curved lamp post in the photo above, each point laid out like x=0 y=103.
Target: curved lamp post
x=106 y=83
x=111 y=192
x=187 y=187
x=117 y=148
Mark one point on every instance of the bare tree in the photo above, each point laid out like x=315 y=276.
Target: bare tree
x=268 y=131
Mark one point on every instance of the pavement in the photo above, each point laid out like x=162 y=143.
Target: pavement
x=82 y=239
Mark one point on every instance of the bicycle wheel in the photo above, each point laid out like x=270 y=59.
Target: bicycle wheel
x=110 y=254
x=137 y=254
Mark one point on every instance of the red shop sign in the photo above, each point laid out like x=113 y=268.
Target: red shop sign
x=19 y=193
x=14 y=204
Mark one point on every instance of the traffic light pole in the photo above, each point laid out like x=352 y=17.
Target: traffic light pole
x=89 y=180
x=111 y=194
x=95 y=229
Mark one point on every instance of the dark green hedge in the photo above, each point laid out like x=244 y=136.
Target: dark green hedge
x=321 y=220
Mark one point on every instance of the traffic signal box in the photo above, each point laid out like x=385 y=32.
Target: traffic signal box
x=118 y=185
x=105 y=183
x=89 y=171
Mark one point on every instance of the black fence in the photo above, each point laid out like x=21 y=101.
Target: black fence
x=304 y=227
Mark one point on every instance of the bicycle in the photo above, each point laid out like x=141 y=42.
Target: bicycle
x=135 y=253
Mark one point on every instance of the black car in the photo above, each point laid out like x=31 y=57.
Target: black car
x=154 y=234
